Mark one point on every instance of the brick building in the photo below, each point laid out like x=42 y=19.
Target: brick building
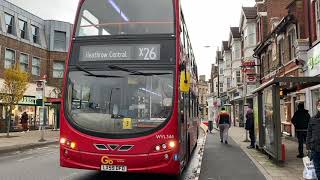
x=40 y=48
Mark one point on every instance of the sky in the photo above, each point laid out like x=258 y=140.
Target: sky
x=208 y=22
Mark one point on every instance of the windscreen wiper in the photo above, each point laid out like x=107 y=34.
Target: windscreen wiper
x=95 y=75
x=134 y=72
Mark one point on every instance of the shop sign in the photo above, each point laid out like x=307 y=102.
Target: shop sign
x=248 y=63
x=314 y=61
x=251 y=78
x=27 y=100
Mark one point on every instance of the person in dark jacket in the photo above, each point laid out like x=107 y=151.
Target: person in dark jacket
x=313 y=140
x=300 y=120
x=250 y=127
x=24 y=121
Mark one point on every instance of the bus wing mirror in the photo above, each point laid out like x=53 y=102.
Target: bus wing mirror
x=185 y=81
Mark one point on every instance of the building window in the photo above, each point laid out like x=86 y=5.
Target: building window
x=228 y=82
x=292 y=40
x=236 y=51
x=35 y=66
x=281 y=51
x=60 y=41
x=238 y=76
x=24 y=62
x=251 y=35
x=221 y=88
x=9 y=58
x=23 y=29
x=35 y=34
x=221 y=71
x=58 y=69
x=259 y=30
x=9 y=19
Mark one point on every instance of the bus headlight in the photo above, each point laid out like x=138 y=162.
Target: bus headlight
x=72 y=145
x=172 y=144
x=158 y=148
x=63 y=140
x=67 y=143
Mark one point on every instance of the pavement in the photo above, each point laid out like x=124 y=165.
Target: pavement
x=291 y=169
x=26 y=140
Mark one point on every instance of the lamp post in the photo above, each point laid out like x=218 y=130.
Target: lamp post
x=41 y=95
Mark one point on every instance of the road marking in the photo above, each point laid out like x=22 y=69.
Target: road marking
x=23 y=159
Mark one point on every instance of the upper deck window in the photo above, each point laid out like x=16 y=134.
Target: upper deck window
x=125 y=17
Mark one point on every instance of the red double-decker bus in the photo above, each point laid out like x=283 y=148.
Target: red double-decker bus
x=130 y=98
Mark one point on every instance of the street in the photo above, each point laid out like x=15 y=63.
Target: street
x=226 y=161
x=43 y=164
x=220 y=162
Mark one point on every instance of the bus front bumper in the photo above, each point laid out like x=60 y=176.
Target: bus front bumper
x=161 y=162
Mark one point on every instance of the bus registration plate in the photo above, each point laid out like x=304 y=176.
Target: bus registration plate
x=113 y=168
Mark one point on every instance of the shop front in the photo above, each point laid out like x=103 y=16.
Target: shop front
x=313 y=93
x=29 y=105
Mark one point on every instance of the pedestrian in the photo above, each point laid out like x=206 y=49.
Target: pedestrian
x=250 y=127
x=24 y=121
x=313 y=140
x=300 y=120
x=223 y=122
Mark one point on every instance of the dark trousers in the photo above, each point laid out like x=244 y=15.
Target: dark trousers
x=252 y=137
x=316 y=162
x=302 y=136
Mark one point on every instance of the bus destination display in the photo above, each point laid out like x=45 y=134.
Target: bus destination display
x=120 y=52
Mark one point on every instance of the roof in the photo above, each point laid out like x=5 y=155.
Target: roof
x=235 y=32
x=225 y=45
x=250 y=12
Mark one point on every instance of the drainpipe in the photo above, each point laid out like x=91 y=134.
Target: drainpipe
x=309 y=23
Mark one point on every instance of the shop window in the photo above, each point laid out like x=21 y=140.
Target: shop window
x=35 y=66
x=35 y=34
x=9 y=59
x=24 y=62
x=60 y=41
x=23 y=29
x=315 y=99
x=9 y=20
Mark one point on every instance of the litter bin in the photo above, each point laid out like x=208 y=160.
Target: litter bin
x=210 y=125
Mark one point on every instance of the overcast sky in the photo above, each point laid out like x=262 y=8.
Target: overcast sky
x=208 y=21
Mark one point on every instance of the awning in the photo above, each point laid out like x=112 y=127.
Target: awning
x=304 y=82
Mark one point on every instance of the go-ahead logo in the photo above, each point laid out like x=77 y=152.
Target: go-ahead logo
x=109 y=161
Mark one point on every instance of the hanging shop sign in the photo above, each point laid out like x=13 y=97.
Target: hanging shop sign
x=314 y=61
